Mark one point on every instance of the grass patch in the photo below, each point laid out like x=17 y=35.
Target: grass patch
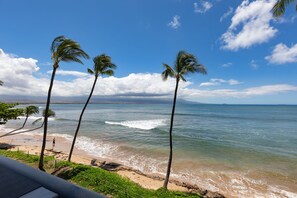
x=96 y=179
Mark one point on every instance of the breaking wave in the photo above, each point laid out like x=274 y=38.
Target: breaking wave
x=140 y=124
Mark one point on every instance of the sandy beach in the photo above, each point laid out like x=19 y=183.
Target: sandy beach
x=31 y=144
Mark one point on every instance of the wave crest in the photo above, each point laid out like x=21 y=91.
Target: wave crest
x=140 y=124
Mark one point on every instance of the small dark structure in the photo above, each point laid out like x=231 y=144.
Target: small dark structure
x=20 y=180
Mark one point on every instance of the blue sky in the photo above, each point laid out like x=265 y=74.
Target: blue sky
x=250 y=57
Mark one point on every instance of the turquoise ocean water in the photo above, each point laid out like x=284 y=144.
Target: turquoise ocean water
x=239 y=150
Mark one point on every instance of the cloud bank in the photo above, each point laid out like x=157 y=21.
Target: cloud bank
x=21 y=77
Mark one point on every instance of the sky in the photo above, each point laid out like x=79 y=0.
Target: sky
x=251 y=58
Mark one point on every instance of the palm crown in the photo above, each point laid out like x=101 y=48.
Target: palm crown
x=280 y=7
x=31 y=110
x=185 y=63
x=64 y=49
x=102 y=65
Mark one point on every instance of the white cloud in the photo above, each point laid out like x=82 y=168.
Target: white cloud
x=282 y=54
x=227 y=64
x=202 y=6
x=233 y=93
x=254 y=64
x=254 y=18
x=175 y=23
x=226 y=14
x=18 y=75
x=69 y=73
x=219 y=81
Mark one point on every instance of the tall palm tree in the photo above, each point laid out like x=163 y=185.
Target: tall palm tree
x=279 y=7
x=185 y=63
x=102 y=66
x=63 y=49
x=50 y=113
x=30 y=110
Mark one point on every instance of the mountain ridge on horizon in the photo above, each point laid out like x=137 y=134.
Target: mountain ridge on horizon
x=94 y=100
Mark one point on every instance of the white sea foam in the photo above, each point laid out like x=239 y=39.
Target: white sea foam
x=93 y=147
x=140 y=124
x=35 y=118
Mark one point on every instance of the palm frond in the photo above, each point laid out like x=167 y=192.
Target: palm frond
x=1 y=83
x=279 y=7
x=50 y=113
x=35 y=121
x=64 y=49
x=56 y=42
x=182 y=77
x=90 y=71
x=108 y=72
x=103 y=65
x=31 y=110
x=167 y=72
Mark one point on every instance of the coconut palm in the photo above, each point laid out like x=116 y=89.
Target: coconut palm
x=185 y=63
x=50 y=113
x=279 y=7
x=28 y=111
x=102 y=66
x=62 y=49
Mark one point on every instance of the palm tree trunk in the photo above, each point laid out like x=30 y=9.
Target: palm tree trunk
x=170 y=137
x=6 y=134
x=80 y=118
x=22 y=131
x=46 y=118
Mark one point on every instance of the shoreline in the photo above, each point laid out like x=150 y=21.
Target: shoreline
x=31 y=144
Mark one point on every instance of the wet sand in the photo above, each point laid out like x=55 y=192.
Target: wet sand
x=31 y=144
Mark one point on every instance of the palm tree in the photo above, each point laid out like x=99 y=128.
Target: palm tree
x=1 y=83
x=279 y=7
x=30 y=110
x=185 y=63
x=102 y=66
x=50 y=113
x=63 y=49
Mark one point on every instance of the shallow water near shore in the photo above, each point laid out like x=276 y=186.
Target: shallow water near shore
x=238 y=150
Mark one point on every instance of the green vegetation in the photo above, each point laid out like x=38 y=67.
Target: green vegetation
x=95 y=179
x=67 y=50
x=280 y=6
x=102 y=66
x=8 y=112
x=185 y=63
x=28 y=159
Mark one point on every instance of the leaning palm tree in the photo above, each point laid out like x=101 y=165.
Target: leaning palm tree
x=185 y=63
x=63 y=49
x=50 y=113
x=28 y=111
x=279 y=7
x=102 y=66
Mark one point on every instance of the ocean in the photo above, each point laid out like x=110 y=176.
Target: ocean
x=239 y=150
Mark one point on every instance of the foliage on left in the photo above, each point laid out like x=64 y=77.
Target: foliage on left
x=8 y=112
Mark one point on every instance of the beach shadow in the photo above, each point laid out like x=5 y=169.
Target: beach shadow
x=109 y=166
x=6 y=146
